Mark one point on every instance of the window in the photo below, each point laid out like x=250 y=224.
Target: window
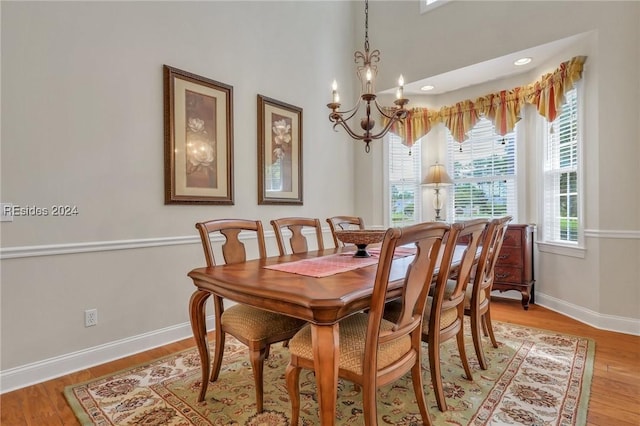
x=561 y=181
x=404 y=182
x=483 y=170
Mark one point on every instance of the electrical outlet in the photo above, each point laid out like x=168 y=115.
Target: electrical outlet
x=90 y=317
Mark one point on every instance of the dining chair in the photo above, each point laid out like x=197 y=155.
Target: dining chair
x=444 y=311
x=444 y=314
x=373 y=351
x=337 y=223
x=477 y=304
x=254 y=327
x=298 y=243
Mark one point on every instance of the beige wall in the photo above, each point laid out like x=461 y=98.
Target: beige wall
x=603 y=287
x=82 y=125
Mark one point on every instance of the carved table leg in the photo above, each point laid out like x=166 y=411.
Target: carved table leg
x=326 y=367
x=199 y=327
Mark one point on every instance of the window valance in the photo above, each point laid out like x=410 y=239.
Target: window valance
x=502 y=108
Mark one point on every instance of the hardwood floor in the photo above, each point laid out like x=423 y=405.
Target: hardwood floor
x=615 y=391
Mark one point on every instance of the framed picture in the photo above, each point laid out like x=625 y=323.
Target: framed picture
x=198 y=133
x=279 y=152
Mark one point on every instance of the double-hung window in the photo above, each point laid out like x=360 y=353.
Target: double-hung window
x=483 y=170
x=561 y=187
x=404 y=182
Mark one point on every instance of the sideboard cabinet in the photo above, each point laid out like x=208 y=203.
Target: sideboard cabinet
x=514 y=268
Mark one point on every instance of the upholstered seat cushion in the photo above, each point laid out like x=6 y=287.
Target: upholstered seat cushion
x=447 y=317
x=353 y=331
x=467 y=296
x=257 y=324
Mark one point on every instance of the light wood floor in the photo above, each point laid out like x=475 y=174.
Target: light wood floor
x=615 y=391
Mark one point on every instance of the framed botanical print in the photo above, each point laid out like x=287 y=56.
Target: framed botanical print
x=198 y=133
x=279 y=152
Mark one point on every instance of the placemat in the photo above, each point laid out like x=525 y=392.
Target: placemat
x=325 y=266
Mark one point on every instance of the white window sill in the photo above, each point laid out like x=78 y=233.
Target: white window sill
x=563 y=250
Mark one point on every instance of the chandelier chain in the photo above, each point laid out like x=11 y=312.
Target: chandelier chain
x=366 y=25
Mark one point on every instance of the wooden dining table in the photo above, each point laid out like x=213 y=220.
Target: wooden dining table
x=322 y=301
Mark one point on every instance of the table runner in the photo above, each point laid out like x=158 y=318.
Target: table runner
x=325 y=266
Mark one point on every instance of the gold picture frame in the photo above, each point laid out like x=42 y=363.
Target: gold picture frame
x=198 y=132
x=279 y=152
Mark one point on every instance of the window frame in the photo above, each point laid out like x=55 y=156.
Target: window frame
x=569 y=248
x=452 y=145
x=416 y=152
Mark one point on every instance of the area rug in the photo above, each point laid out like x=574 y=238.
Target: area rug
x=535 y=377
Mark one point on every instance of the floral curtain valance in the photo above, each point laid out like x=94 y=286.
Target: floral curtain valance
x=502 y=108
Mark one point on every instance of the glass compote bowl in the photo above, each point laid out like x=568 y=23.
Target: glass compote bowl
x=361 y=238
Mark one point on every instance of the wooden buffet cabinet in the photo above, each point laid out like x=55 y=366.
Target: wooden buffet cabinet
x=514 y=268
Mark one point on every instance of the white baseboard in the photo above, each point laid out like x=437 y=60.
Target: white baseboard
x=41 y=371
x=587 y=316
x=37 y=372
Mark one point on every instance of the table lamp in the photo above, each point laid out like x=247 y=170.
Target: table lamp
x=436 y=178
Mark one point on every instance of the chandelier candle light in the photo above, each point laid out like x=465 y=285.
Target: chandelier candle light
x=437 y=178
x=367 y=69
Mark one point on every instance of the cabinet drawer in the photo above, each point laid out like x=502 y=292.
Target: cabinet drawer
x=512 y=238
x=510 y=256
x=508 y=274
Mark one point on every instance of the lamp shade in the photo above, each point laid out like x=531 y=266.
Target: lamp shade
x=437 y=176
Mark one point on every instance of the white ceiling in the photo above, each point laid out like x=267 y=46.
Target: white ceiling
x=489 y=70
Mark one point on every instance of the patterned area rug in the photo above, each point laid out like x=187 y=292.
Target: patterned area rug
x=535 y=378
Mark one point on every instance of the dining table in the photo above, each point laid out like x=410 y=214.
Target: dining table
x=321 y=287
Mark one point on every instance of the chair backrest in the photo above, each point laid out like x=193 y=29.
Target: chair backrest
x=337 y=223
x=297 y=242
x=428 y=238
x=491 y=245
x=233 y=250
x=467 y=238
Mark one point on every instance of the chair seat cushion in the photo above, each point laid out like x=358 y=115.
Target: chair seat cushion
x=447 y=317
x=257 y=324
x=353 y=331
x=467 y=296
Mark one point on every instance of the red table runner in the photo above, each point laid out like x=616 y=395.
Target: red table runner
x=335 y=263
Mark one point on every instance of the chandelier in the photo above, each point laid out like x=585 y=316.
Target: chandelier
x=366 y=70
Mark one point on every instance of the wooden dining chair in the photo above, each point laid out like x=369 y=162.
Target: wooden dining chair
x=444 y=311
x=373 y=351
x=477 y=304
x=254 y=327
x=337 y=223
x=298 y=243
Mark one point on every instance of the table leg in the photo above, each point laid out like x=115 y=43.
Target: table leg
x=325 y=337
x=199 y=327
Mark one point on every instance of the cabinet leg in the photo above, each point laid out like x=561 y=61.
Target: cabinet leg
x=525 y=298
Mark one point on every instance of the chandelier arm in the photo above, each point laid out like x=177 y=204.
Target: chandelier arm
x=348 y=130
x=349 y=113
x=393 y=119
x=393 y=112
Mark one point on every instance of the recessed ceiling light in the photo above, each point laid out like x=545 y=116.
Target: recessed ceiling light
x=522 y=61
x=427 y=88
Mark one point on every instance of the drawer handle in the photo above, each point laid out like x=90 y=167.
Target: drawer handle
x=502 y=275
x=503 y=256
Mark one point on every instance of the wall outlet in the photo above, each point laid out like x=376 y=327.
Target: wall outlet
x=90 y=317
